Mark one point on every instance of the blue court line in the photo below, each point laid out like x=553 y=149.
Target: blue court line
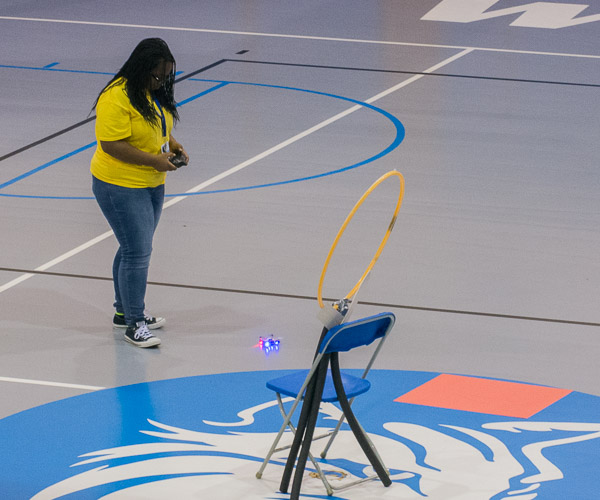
x=400 y=133
x=194 y=97
x=51 y=68
x=46 y=165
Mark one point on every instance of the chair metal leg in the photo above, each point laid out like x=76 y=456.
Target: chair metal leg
x=284 y=415
x=294 y=449
x=316 y=465
x=333 y=435
x=310 y=427
x=341 y=420
x=372 y=446
x=306 y=406
x=275 y=442
x=286 y=422
x=361 y=437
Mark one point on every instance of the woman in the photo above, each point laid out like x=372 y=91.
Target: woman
x=135 y=114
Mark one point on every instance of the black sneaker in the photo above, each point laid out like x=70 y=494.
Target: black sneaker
x=140 y=336
x=152 y=322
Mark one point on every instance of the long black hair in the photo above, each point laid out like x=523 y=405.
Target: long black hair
x=136 y=71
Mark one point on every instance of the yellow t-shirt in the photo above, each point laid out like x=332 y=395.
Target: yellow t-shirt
x=117 y=119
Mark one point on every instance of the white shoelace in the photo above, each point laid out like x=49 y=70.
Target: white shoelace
x=142 y=333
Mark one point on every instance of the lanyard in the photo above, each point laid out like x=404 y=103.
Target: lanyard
x=163 y=121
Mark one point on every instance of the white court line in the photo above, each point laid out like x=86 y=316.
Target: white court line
x=300 y=37
x=57 y=260
x=52 y=384
x=237 y=168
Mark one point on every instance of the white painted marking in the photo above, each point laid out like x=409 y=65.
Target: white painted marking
x=15 y=282
x=52 y=384
x=246 y=416
x=57 y=260
x=300 y=37
x=533 y=15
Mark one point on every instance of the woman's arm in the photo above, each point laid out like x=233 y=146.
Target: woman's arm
x=122 y=150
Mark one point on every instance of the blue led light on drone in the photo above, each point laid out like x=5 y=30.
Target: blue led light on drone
x=268 y=344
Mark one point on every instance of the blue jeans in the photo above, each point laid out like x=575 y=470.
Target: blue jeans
x=133 y=215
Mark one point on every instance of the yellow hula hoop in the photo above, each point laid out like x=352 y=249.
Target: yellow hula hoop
x=381 y=245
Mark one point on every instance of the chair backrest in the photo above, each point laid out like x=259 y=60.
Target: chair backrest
x=360 y=332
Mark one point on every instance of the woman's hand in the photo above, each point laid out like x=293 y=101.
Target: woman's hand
x=178 y=148
x=162 y=162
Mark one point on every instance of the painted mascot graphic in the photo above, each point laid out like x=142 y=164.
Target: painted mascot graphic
x=496 y=460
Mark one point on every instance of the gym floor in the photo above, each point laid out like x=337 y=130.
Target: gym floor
x=289 y=112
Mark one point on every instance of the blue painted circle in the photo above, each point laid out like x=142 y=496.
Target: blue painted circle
x=398 y=138
x=190 y=432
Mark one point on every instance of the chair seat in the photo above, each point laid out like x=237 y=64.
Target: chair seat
x=290 y=385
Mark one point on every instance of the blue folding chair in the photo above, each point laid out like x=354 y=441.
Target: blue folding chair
x=330 y=385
